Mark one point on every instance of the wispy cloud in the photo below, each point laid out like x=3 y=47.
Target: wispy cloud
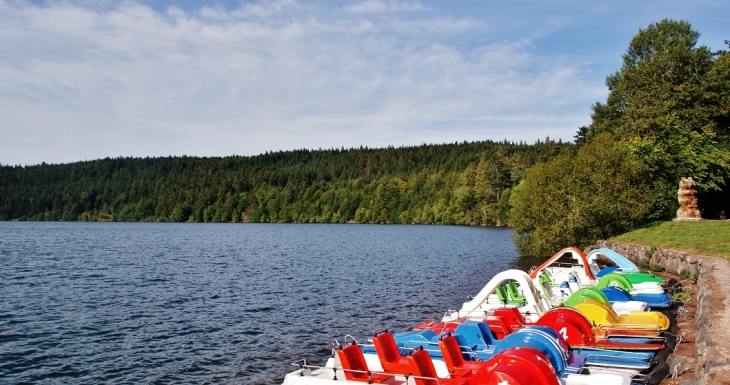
x=80 y=82
x=373 y=6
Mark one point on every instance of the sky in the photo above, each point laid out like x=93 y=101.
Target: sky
x=86 y=79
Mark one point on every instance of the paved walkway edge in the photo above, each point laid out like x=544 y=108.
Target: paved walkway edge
x=712 y=342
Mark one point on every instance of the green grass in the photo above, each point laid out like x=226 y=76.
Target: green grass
x=710 y=237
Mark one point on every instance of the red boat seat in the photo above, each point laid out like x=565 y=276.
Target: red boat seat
x=454 y=357
x=389 y=353
x=511 y=316
x=355 y=367
x=498 y=327
x=424 y=372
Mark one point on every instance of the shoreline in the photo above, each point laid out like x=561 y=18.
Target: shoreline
x=712 y=315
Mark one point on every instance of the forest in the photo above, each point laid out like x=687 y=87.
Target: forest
x=667 y=116
x=460 y=183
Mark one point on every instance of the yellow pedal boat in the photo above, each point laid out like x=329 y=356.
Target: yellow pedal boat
x=602 y=316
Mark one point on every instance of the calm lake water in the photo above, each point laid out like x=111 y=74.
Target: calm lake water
x=220 y=303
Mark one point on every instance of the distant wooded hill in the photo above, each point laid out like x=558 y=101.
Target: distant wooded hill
x=461 y=183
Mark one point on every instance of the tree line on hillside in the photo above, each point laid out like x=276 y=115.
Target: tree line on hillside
x=460 y=183
x=667 y=116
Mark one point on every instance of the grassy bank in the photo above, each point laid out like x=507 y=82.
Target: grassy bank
x=710 y=237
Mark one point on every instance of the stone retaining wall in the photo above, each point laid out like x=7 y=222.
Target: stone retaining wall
x=672 y=261
x=712 y=342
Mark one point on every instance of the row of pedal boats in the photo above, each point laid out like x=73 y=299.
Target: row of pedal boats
x=576 y=319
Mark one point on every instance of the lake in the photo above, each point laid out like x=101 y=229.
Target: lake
x=220 y=303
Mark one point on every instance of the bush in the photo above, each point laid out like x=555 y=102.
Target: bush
x=576 y=199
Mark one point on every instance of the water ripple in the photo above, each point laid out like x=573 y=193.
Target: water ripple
x=204 y=304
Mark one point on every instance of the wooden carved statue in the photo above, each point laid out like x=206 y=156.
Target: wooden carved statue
x=688 y=210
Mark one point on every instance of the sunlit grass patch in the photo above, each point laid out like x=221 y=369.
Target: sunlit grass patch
x=711 y=237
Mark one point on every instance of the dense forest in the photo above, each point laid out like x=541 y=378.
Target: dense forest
x=667 y=116
x=460 y=183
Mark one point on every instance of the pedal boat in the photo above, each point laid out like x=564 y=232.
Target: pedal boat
x=602 y=316
x=477 y=338
x=468 y=345
x=571 y=324
x=579 y=269
x=569 y=293
x=619 y=299
x=622 y=265
x=492 y=296
x=653 y=301
x=533 y=305
x=349 y=365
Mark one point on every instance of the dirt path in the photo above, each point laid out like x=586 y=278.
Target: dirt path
x=707 y=306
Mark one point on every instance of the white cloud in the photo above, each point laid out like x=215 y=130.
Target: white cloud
x=82 y=83
x=376 y=6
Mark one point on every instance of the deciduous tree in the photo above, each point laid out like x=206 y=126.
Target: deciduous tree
x=577 y=199
x=661 y=107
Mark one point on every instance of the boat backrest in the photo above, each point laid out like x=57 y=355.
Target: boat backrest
x=451 y=351
x=546 y=287
x=544 y=277
x=386 y=347
x=389 y=353
x=422 y=366
x=502 y=295
x=424 y=372
x=511 y=316
x=498 y=326
x=353 y=361
x=514 y=293
x=356 y=368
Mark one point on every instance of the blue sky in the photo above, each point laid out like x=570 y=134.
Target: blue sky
x=82 y=80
